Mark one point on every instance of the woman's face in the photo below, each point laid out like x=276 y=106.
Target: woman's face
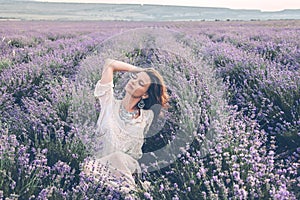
x=138 y=85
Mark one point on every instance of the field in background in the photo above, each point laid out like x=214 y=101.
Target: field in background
x=30 y=10
x=234 y=89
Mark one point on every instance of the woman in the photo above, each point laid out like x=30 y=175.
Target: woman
x=123 y=123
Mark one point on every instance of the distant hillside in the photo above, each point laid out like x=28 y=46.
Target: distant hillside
x=29 y=10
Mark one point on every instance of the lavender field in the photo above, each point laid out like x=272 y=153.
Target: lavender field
x=232 y=130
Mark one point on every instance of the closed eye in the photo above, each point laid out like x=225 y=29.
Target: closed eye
x=141 y=83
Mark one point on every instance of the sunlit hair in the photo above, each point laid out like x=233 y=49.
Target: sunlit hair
x=157 y=90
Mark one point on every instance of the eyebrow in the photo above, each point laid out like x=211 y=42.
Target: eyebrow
x=142 y=80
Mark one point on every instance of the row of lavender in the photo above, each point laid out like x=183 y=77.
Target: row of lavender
x=260 y=63
x=40 y=150
x=261 y=66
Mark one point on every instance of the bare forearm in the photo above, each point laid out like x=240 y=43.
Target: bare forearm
x=122 y=66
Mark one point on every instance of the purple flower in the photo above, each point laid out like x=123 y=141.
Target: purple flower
x=147 y=195
x=161 y=187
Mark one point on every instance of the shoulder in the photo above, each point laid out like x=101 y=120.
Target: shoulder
x=103 y=88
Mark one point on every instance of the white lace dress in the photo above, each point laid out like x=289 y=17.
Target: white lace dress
x=122 y=142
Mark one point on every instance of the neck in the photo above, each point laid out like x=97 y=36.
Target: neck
x=129 y=102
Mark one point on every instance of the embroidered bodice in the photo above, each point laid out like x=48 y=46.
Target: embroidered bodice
x=116 y=135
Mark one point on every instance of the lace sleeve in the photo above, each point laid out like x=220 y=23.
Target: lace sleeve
x=104 y=92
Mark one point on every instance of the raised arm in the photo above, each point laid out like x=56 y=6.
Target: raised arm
x=112 y=66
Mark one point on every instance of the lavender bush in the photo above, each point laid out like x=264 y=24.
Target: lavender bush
x=262 y=70
x=232 y=131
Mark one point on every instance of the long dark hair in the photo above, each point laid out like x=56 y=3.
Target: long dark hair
x=157 y=93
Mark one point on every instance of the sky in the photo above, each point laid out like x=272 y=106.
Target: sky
x=263 y=5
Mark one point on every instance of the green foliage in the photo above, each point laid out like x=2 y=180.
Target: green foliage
x=4 y=64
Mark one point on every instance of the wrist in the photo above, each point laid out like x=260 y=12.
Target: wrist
x=133 y=68
x=136 y=69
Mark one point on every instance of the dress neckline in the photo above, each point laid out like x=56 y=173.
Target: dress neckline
x=134 y=120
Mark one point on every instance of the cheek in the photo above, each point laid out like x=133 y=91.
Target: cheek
x=140 y=91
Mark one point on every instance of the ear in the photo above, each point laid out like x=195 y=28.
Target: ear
x=145 y=96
